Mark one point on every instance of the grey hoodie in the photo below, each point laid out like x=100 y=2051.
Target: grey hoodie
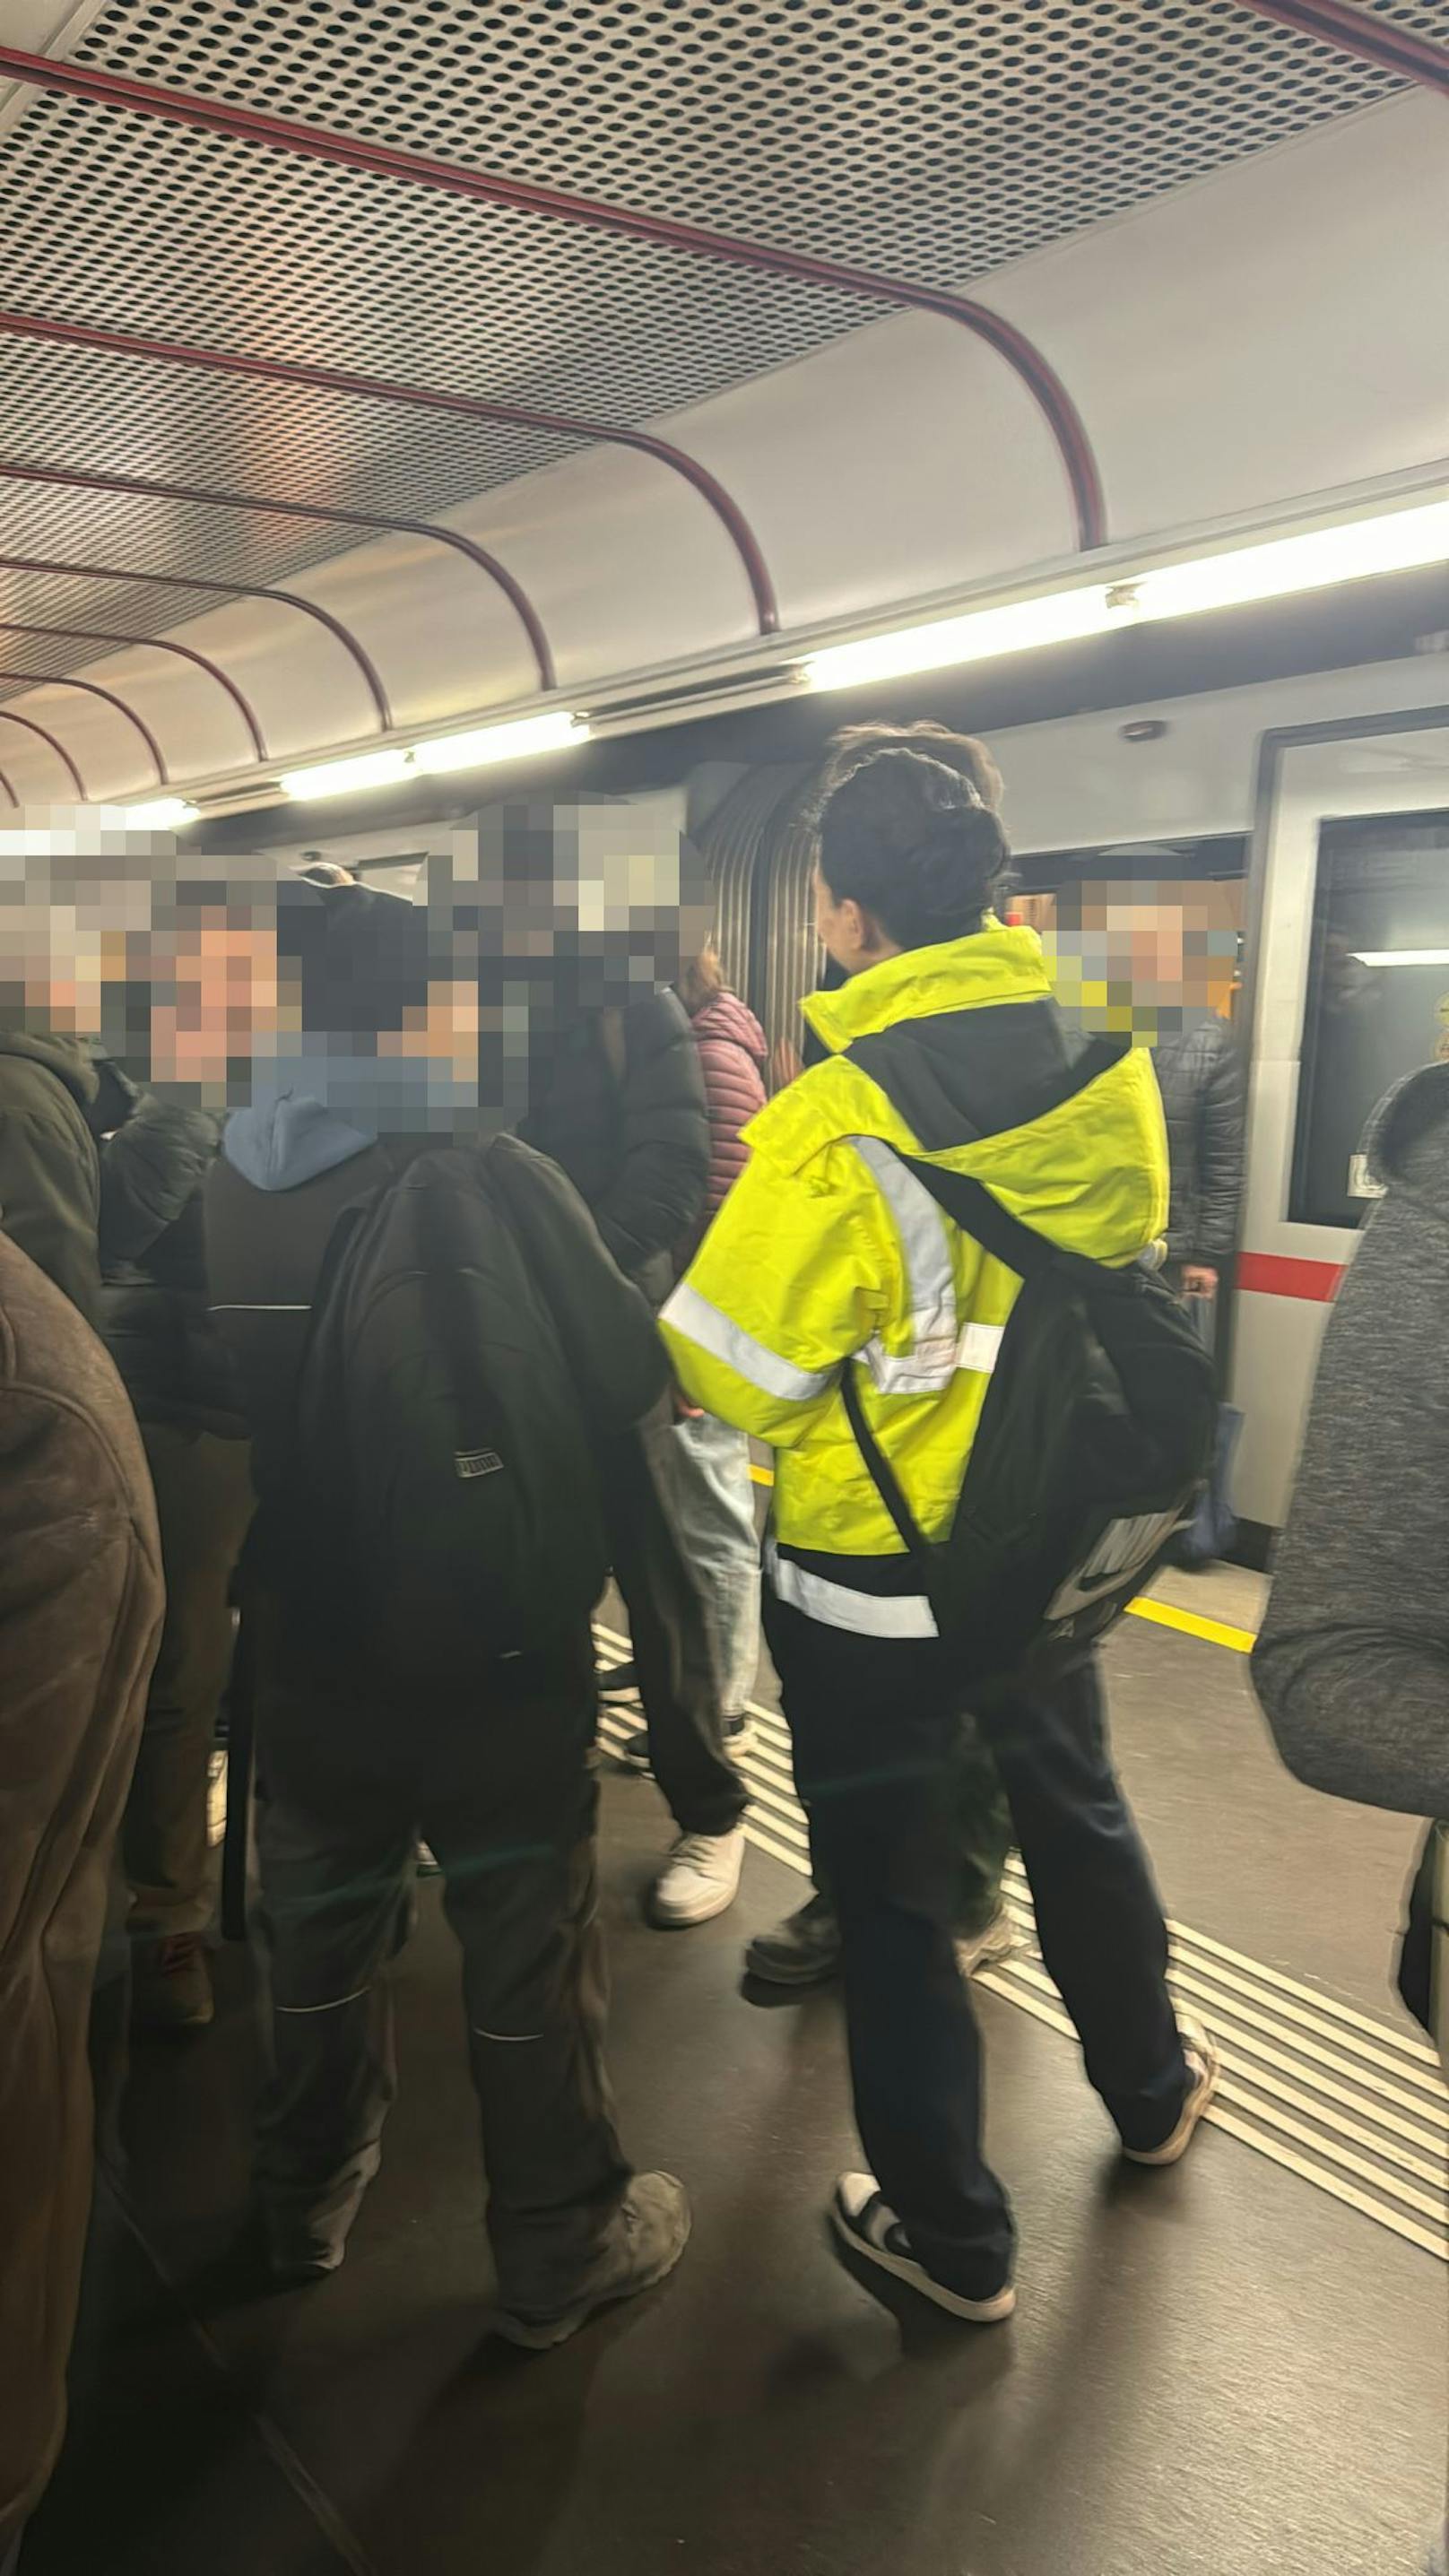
x=1352 y=1665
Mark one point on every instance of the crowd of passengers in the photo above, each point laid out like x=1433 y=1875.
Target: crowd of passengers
x=714 y=1262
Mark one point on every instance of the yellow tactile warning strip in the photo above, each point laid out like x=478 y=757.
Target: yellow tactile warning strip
x=1163 y=1614
x=1353 y=2106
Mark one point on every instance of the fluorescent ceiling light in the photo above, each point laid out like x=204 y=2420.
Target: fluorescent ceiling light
x=501 y=742
x=1025 y=624
x=1401 y=956
x=1401 y=541
x=340 y=777
x=1398 y=541
x=165 y=814
x=484 y=745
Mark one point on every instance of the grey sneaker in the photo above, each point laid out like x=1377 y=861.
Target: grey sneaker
x=1204 y=2071
x=804 y=1950
x=977 y=1950
x=171 y=1984
x=649 y=2232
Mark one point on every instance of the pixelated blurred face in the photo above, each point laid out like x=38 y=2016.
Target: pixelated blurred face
x=604 y=884
x=578 y=909
x=1145 y=959
x=215 y=996
x=62 y=941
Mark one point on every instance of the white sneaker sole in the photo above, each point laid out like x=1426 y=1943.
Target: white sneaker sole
x=1199 y=2102
x=903 y=2267
x=702 y=1909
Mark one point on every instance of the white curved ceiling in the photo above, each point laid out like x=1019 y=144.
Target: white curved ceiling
x=1226 y=240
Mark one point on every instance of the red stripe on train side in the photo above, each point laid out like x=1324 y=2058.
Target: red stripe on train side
x=1274 y=1274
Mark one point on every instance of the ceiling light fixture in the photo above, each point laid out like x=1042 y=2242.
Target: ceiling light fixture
x=1400 y=956
x=163 y=814
x=1315 y=559
x=481 y=748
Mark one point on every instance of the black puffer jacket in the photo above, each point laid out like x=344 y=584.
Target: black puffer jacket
x=624 y=1114
x=174 y=1364
x=49 y=1168
x=1200 y=1075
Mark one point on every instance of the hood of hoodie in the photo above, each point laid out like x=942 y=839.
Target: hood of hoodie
x=71 y=1060
x=1408 y=1142
x=291 y=1140
x=724 y=1015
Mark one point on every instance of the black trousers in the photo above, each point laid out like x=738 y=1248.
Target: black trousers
x=669 y=1626
x=504 y=1795
x=874 y=1723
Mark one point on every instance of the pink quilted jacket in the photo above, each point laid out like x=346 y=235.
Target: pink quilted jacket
x=732 y=1051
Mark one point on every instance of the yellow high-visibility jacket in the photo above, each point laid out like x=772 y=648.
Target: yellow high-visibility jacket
x=829 y=1253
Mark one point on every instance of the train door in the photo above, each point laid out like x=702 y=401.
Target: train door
x=1349 y=991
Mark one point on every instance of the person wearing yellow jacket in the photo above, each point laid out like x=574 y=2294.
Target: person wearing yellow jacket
x=829 y=1255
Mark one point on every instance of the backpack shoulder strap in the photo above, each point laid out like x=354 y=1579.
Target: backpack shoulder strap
x=968 y=1202
x=878 y=1466
x=979 y=1213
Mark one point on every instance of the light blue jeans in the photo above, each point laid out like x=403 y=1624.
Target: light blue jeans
x=715 y=1505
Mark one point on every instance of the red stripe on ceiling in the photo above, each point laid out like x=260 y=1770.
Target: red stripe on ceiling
x=286 y=134
x=291 y=371
x=1277 y=1274
x=1359 y=33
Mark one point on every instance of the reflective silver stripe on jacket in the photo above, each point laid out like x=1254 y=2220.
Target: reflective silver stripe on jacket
x=930 y=1364
x=700 y=1322
x=836 y=1605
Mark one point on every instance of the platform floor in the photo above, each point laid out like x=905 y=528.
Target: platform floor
x=1230 y=2370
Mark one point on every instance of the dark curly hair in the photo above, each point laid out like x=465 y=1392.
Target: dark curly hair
x=959 y=751
x=913 y=843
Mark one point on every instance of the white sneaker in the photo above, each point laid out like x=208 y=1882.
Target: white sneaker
x=700 y=1879
x=862 y=2221
x=1205 y=2070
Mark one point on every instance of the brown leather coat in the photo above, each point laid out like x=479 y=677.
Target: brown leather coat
x=80 y=1614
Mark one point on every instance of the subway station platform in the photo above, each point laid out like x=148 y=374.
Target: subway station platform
x=1233 y=2369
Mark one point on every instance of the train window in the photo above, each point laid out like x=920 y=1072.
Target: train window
x=1377 y=1000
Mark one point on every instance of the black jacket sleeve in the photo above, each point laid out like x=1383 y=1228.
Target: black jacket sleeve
x=658 y=1189
x=150 y=1171
x=618 y=1360
x=1220 y=1108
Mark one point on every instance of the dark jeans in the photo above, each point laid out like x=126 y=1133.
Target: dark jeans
x=983 y=1833
x=874 y=1722
x=670 y=1628
x=204 y=1503
x=503 y=1794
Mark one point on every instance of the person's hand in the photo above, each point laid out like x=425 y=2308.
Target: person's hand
x=1199 y=1280
x=684 y=1411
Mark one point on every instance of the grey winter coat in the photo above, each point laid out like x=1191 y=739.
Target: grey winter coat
x=1352 y=1665
x=1200 y=1076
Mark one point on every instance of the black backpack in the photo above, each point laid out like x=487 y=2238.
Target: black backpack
x=1092 y=1445
x=443 y=1511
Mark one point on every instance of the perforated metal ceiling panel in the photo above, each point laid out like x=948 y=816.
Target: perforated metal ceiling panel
x=930 y=139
